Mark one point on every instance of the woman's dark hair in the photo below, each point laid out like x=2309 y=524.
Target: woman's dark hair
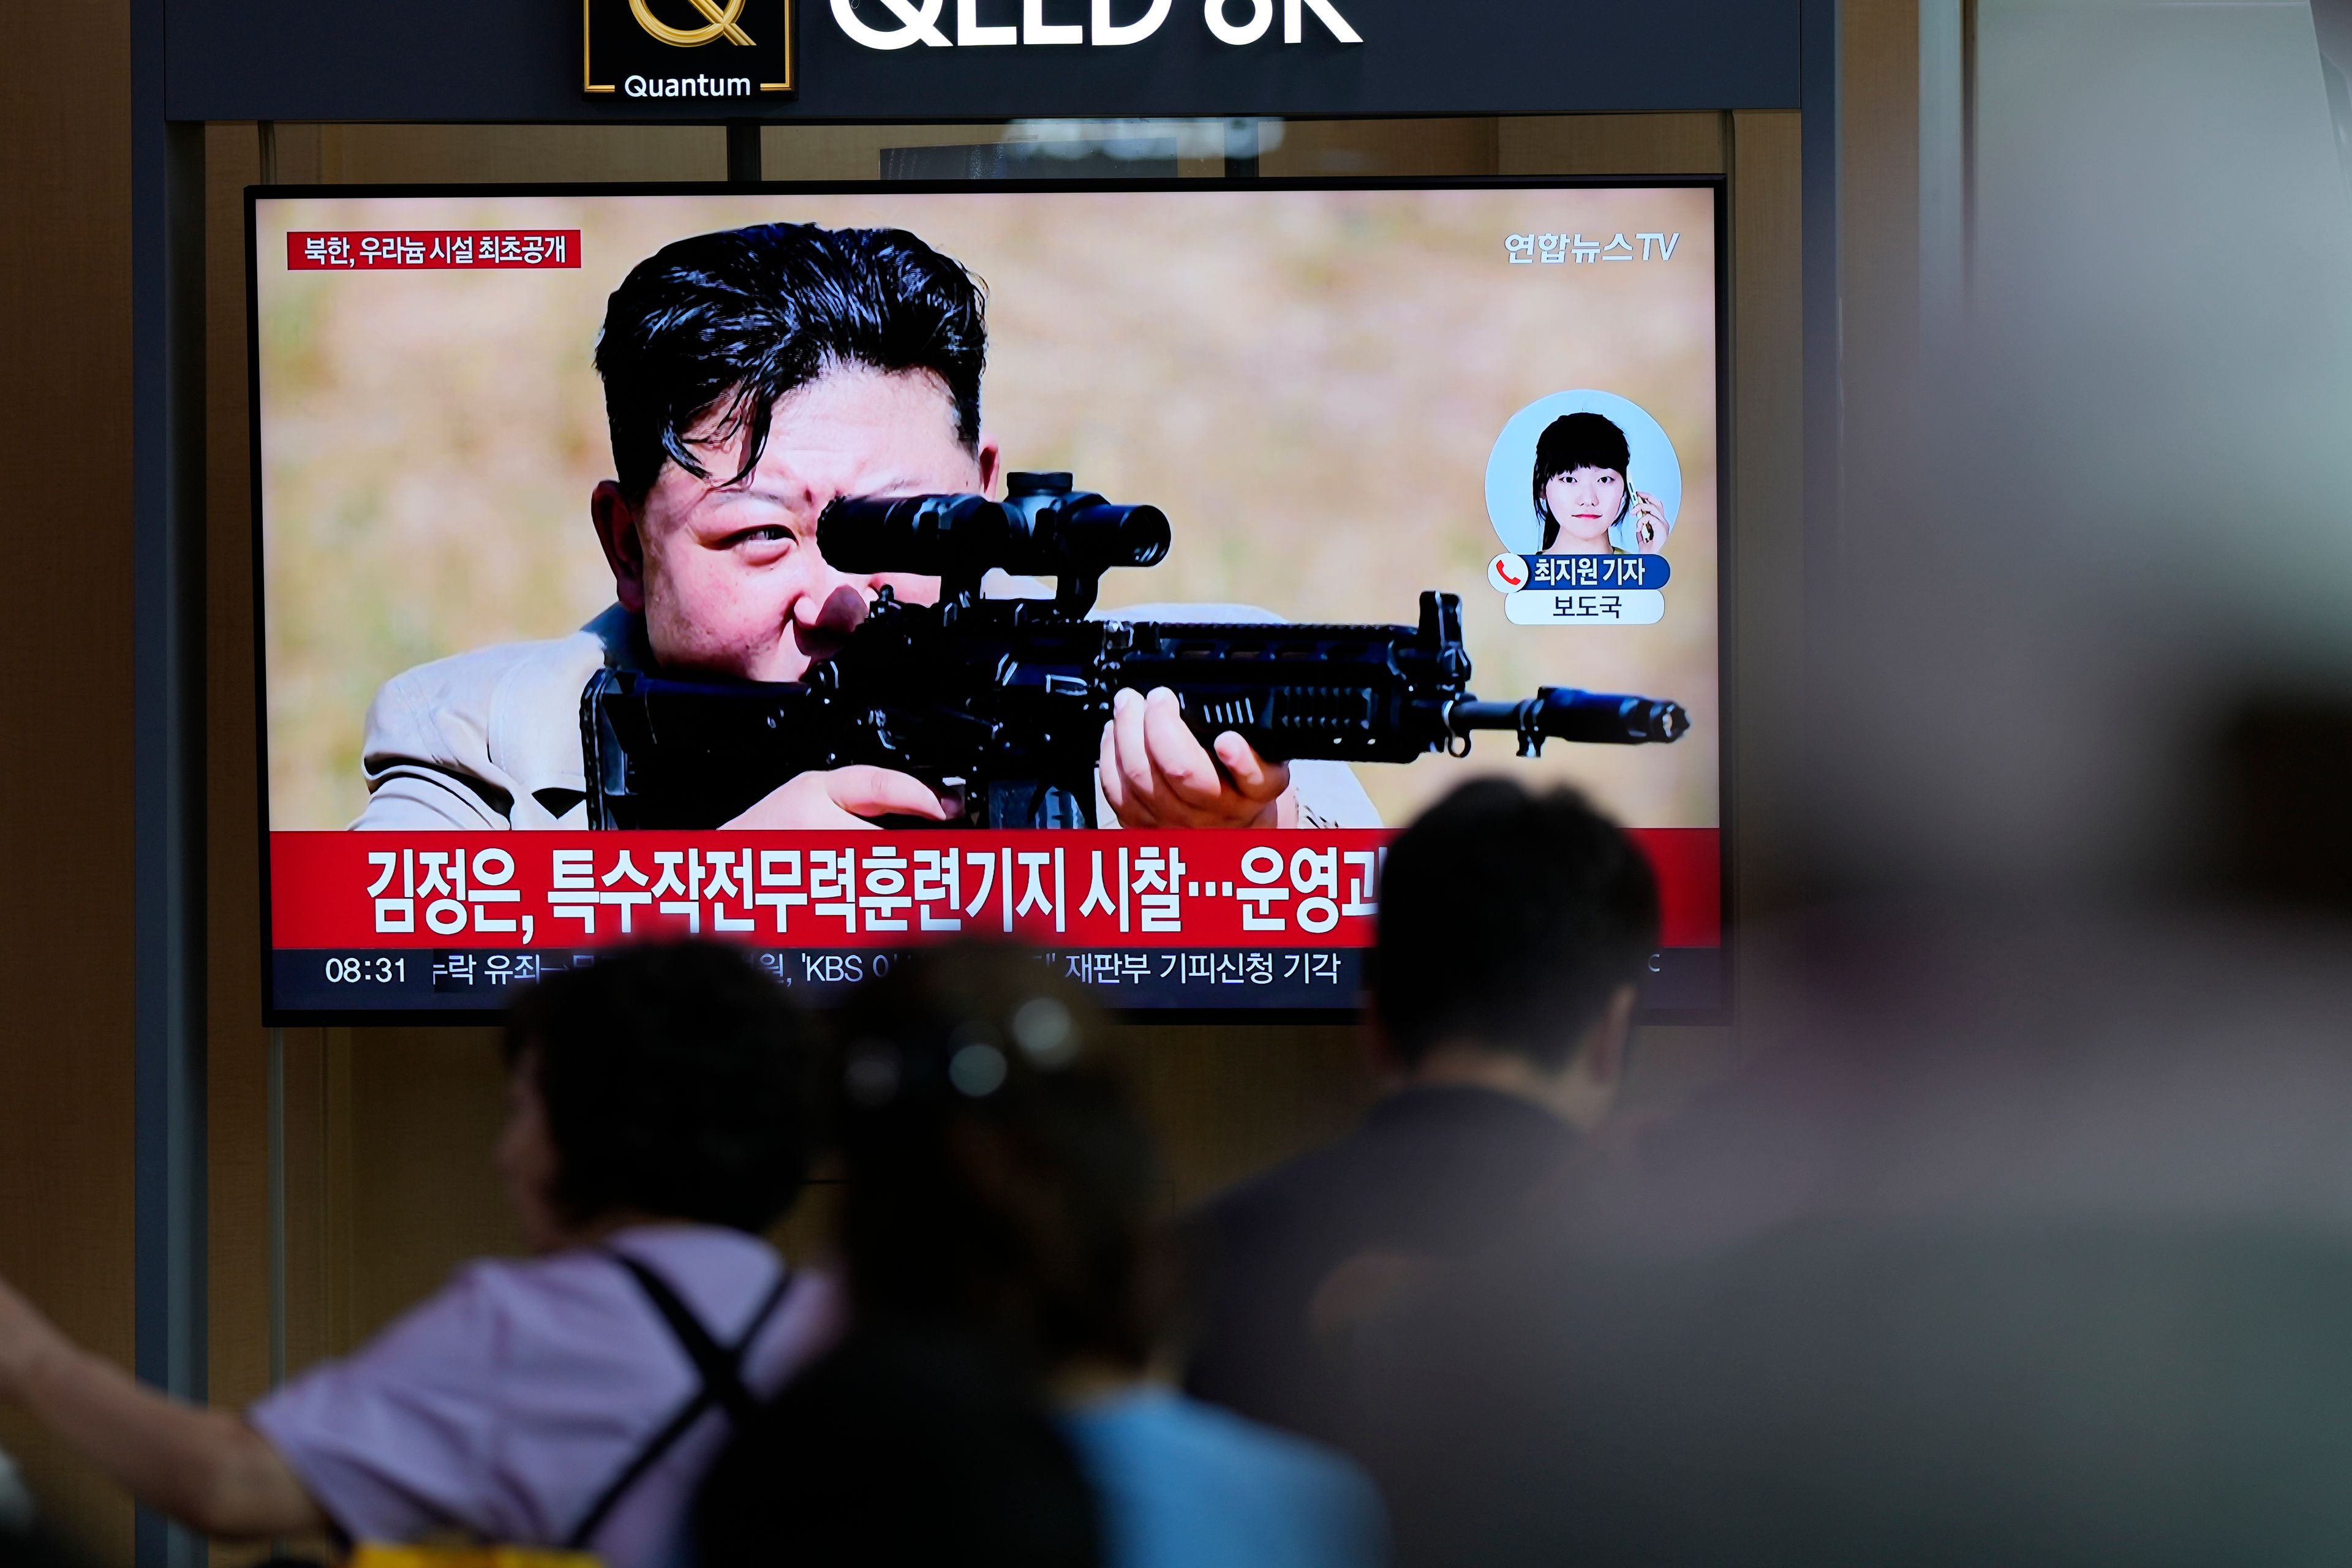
x=996 y=1178
x=1576 y=441
x=723 y=324
x=1506 y=921
x=901 y=1451
x=676 y=1084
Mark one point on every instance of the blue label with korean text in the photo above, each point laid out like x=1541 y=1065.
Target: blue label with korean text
x=1596 y=571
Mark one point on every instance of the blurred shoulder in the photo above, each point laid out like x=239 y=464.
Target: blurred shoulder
x=1301 y=1190
x=1170 y=1427
x=497 y=1295
x=1291 y=1500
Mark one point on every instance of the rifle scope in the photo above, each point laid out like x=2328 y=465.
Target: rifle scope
x=1042 y=527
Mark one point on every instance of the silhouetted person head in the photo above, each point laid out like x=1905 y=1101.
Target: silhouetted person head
x=1514 y=930
x=995 y=1231
x=995 y=1175
x=661 y=1082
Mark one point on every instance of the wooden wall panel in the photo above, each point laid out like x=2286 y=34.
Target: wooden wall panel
x=1611 y=145
x=1226 y=1101
x=855 y=152
x=425 y=1107
x=1878 y=218
x=66 y=1129
x=320 y=1235
x=1396 y=148
x=371 y=154
x=1878 y=263
x=1765 y=455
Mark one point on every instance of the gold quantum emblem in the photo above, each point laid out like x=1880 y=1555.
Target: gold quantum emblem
x=719 y=23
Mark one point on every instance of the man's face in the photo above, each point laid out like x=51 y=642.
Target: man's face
x=729 y=579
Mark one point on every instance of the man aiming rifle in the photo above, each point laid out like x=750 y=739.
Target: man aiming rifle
x=755 y=381
x=750 y=378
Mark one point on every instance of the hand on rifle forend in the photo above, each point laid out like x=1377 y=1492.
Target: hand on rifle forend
x=1155 y=774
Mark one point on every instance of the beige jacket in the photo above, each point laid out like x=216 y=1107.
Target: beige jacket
x=491 y=738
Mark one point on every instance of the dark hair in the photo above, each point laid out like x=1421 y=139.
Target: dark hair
x=1576 y=441
x=900 y=1451
x=726 y=323
x=676 y=1080
x=996 y=1178
x=1506 y=921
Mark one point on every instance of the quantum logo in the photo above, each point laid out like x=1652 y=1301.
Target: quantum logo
x=632 y=48
x=718 y=24
x=918 y=22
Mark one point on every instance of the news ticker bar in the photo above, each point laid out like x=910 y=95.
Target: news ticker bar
x=468 y=980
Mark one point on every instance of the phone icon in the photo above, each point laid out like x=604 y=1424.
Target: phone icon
x=1507 y=573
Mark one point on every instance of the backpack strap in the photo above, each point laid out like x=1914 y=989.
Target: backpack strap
x=718 y=1368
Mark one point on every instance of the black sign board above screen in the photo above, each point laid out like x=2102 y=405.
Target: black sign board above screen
x=739 y=51
x=980 y=59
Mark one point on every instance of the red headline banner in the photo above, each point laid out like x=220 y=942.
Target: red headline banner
x=1102 y=889
x=376 y=250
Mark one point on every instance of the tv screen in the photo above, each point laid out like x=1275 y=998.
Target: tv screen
x=834 y=570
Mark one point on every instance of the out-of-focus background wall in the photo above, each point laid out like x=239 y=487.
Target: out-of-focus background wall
x=1307 y=382
x=66 y=799
x=2097 y=497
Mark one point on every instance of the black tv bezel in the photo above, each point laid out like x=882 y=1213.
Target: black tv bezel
x=276 y=1016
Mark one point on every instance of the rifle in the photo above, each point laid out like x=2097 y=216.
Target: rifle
x=1004 y=701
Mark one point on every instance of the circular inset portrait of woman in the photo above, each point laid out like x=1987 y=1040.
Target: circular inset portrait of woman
x=1583 y=473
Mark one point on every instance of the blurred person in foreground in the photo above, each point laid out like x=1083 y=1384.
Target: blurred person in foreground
x=997 y=1233
x=2026 y=1236
x=1513 y=929
x=901 y=1451
x=657 y=1104
x=2031 y=1244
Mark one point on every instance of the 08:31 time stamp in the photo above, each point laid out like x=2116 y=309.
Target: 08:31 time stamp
x=378 y=971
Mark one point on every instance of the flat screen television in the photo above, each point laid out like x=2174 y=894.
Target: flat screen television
x=835 y=569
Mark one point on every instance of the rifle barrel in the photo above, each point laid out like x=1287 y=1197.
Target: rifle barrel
x=1587 y=718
